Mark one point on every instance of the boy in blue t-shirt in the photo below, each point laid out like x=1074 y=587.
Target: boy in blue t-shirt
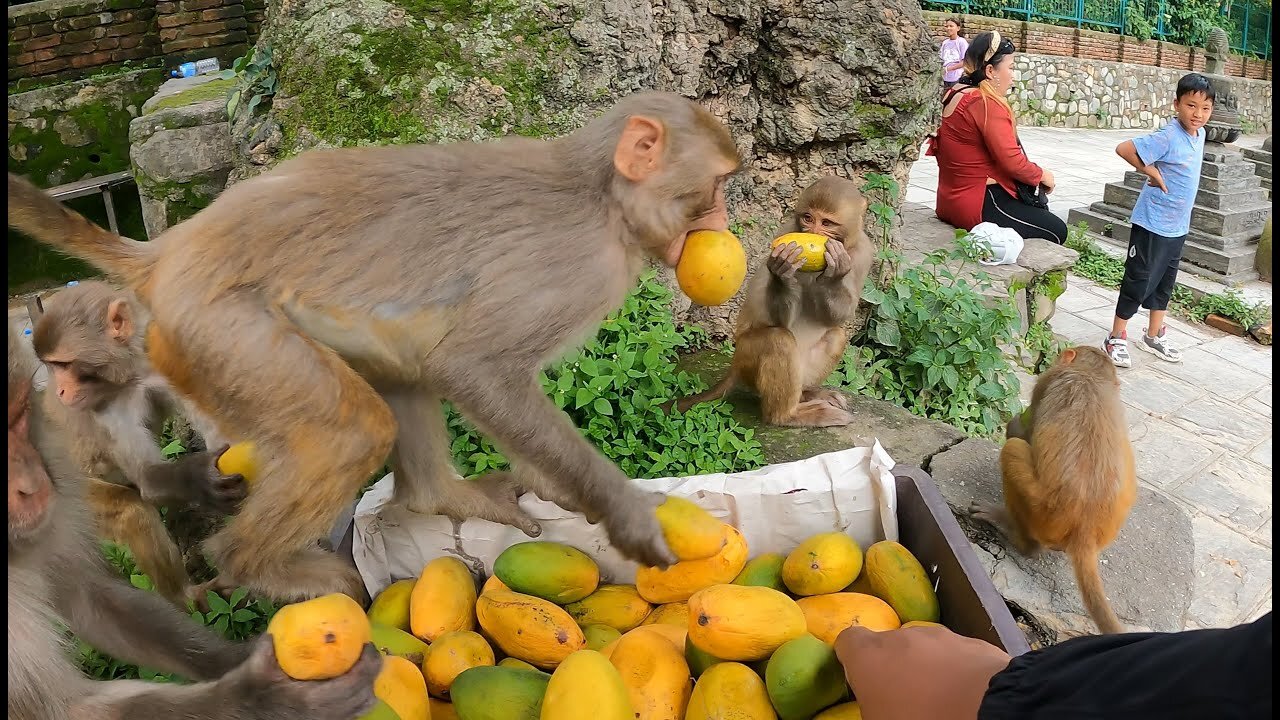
x=1171 y=159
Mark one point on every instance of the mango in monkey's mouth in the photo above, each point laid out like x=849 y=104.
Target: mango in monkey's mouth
x=712 y=266
x=812 y=249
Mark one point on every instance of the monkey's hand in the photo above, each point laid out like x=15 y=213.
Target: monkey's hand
x=838 y=261
x=785 y=261
x=262 y=689
x=632 y=525
x=207 y=486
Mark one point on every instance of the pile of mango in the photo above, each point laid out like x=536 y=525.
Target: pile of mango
x=713 y=637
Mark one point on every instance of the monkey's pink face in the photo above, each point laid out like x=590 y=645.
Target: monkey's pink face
x=717 y=218
x=76 y=385
x=30 y=489
x=820 y=222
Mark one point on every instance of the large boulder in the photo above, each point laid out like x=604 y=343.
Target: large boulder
x=808 y=88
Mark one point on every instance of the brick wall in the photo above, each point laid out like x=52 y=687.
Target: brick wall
x=69 y=39
x=1042 y=39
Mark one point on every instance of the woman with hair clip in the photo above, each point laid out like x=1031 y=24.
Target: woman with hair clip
x=983 y=173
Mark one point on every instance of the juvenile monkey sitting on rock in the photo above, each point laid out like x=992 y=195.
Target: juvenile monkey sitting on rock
x=790 y=331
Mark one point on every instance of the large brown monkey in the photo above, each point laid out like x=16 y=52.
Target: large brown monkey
x=57 y=577
x=111 y=404
x=1068 y=471
x=325 y=308
x=790 y=331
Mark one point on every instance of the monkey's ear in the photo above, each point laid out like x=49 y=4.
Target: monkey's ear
x=640 y=149
x=1067 y=356
x=120 y=320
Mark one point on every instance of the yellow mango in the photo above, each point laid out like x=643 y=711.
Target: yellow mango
x=691 y=532
x=380 y=711
x=824 y=563
x=320 y=638
x=549 y=570
x=516 y=663
x=898 y=578
x=843 y=711
x=391 y=607
x=730 y=691
x=529 y=628
x=656 y=675
x=826 y=616
x=400 y=685
x=678 y=582
x=860 y=584
x=669 y=614
x=586 y=686
x=813 y=249
x=600 y=635
x=392 y=641
x=712 y=266
x=674 y=635
x=743 y=623
x=921 y=623
x=441 y=710
x=240 y=459
x=493 y=583
x=443 y=599
x=452 y=653
x=618 y=606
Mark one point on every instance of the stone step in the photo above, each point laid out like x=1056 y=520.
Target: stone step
x=1257 y=155
x=1262 y=171
x=1243 y=168
x=1230 y=265
x=1243 y=218
x=1125 y=195
x=1113 y=221
x=1137 y=181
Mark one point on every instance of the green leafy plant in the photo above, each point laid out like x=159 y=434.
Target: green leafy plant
x=237 y=617
x=256 y=80
x=613 y=388
x=933 y=344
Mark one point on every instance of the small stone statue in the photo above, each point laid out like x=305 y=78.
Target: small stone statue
x=1216 y=49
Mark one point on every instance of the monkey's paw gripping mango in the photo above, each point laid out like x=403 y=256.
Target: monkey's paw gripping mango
x=691 y=532
x=239 y=459
x=321 y=638
x=813 y=249
x=712 y=266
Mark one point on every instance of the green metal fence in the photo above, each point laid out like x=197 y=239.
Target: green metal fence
x=1248 y=24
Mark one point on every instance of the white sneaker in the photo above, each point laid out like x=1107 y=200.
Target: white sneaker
x=1118 y=350
x=1160 y=347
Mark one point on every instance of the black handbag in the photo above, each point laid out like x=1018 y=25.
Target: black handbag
x=1027 y=194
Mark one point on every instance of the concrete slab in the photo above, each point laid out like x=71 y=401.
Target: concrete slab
x=1232 y=490
x=1223 y=425
x=1166 y=455
x=1219 y=377
x=1232 y=574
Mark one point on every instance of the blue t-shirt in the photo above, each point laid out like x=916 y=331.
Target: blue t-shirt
x=1178 y=157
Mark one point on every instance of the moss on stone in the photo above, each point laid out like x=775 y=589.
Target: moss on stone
x=213 y=90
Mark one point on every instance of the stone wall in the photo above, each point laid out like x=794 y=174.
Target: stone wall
x=1066 y=92
x=57 y=40
x=1042 y=39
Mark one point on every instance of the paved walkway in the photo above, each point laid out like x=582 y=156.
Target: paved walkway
x=1201 y=429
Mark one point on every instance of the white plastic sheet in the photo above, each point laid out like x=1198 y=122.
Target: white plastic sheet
x=775 y=507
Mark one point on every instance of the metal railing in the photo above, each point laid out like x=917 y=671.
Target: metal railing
x=1248 y=24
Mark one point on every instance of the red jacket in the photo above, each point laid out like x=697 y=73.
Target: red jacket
x=977 y=141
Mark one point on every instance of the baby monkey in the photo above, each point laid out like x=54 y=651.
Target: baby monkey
x=790 y=331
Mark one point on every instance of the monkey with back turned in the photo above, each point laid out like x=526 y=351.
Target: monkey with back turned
x=325 y=308
x=790 y=331
x=1068 y=471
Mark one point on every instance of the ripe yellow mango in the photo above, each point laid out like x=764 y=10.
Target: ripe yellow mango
x=691 y=532
x=400 y=685
x=392 y=641
x=743 y=623
x=812 y=249
x=586 y=686
x=391 y=607
x=843 y=711
x=517 y=664
x=493 y=583
x=921 y=623
x=826 y=616
x=898 y=578
x=712 y=266
x=441 y=710
x=824 y=563
x=320 y=638
x=443 y=599
x=674 y=635
x=529 y=628
x=618 y=606
x=655 y=674
x=450 y=655
x=549 y=570
x=680 y=581
x=669 y=614
x=730 y=691
x=239 y=459
x=600 y=635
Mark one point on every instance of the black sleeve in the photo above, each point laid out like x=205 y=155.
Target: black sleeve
x=1220 y=674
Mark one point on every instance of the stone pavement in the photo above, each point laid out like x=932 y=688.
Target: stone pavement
x=1201 y=429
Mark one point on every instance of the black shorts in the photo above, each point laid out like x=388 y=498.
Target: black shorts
x=1150 y=271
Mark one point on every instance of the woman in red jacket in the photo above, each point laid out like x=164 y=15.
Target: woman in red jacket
x=980 y=161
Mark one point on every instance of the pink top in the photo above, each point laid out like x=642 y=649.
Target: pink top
x=952 y=51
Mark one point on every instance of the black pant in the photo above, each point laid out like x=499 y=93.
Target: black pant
x=1199 y=674
x=1007 y=211
x=1150 y=270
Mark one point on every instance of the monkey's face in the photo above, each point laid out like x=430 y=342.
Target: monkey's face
x=79 y=386
x=30 y=489
x=821 y=222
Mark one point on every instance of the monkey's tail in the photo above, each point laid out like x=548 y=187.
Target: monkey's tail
x=721 y=389
x=34 y=212
x=1085 y=564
